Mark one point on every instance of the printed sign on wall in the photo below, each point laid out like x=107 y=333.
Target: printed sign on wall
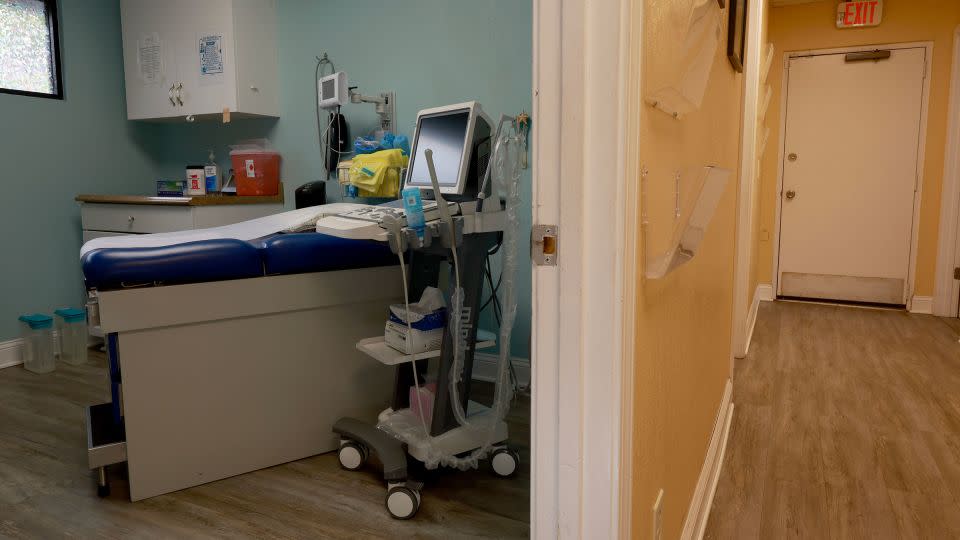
x=859 y=13
x=211 y=55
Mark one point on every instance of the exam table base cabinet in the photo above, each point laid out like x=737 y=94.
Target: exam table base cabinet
x=228 y=377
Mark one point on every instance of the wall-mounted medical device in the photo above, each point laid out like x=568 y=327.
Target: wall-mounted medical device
x=333 y=91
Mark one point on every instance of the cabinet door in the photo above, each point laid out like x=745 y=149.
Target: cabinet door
x=150 y=42
x=206 y=60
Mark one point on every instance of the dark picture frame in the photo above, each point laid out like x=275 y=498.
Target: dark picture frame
x=737 y=33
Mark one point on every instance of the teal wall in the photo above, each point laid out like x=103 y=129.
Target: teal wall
x=429 y=52
x=52 y=150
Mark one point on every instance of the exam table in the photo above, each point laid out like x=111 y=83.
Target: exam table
x=231 y=351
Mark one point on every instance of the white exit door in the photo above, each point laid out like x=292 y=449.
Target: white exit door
x=850 y=176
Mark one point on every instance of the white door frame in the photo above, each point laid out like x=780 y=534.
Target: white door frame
x=946 y=294
x=921 y=159
x=749 y=178
x=577 y=353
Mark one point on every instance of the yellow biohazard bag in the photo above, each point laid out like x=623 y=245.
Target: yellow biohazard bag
x=378 y=174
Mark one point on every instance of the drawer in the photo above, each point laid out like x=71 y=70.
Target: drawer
x=132 y=218
x=93 y=235
x=106 y=440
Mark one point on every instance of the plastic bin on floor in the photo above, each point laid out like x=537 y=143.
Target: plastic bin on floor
x=36 y=331
x=72 y=324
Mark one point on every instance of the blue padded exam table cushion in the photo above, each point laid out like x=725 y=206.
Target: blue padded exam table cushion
x=299 y=253
x=225 y=259
x=191 y=262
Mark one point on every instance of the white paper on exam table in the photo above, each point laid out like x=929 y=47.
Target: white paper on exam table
x=294 y=220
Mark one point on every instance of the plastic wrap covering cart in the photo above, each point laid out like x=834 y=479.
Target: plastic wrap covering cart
x=459 y=431
x=229 y=355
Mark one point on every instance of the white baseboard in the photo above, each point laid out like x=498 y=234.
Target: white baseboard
x=922 y=305
x=765 y=292
x=699 y=511
x=10 y=353
x=485 y=368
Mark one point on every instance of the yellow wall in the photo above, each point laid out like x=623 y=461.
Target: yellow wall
x=812 y=26
x=684 y=321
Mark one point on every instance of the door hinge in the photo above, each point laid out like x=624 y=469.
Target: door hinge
x=543 y=245
x=956 y=273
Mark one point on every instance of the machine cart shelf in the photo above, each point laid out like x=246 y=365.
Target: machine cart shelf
x=378 y=349
x=405 y=424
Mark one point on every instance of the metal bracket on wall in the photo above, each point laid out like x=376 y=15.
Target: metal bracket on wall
x=543 y=245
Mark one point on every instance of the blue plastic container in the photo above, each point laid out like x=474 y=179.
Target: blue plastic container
x=413 y=208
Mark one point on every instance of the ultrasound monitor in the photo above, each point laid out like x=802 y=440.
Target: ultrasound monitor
x=459 y=136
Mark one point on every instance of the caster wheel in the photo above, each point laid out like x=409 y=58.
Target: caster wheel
x=402 y=502
x=352 y=456
x=103 y=491
x=504 y=462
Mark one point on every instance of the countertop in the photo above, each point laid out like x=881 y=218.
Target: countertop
x=199 y=200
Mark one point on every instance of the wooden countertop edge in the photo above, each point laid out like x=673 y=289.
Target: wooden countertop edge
x=201 y=200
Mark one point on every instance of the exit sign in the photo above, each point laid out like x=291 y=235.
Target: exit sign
x=859 y=13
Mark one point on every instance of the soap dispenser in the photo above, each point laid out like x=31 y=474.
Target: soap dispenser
x=210 y=173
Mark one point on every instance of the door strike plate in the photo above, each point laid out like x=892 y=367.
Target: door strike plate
x=543 y=245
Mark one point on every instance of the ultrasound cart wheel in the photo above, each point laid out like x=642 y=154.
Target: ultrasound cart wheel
x=352 y=455
x=504 y=462
x=402 y=502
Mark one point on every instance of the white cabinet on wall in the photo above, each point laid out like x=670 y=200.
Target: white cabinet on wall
x=200 y=58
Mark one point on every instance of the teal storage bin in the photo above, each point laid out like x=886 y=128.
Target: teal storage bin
x=36 y=333
x=72 y=326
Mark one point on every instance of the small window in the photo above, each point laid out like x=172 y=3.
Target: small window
x=30 y=48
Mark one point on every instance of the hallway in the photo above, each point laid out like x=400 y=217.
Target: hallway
x=846 y=425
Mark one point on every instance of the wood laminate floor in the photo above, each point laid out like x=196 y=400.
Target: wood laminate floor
x=846 y=425
x=953 y=323
x=46 y=490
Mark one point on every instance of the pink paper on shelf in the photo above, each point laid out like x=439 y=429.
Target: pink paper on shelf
x=427 y=394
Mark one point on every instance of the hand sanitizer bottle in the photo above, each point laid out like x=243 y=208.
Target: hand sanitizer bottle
x=210 y=174
x=413 y=207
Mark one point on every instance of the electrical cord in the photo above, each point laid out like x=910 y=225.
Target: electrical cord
x=321 y=135
x=498 y=315
x=395 y=227
x=493 y=289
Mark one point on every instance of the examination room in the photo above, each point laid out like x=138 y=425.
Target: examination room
x=269 y=270
x=548 y=269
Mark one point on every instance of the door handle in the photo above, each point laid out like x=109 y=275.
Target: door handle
x=791 y=194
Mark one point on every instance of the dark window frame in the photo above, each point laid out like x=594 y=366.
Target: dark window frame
x=53 y=21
